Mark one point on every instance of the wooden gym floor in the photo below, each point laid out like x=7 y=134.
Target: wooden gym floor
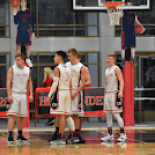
x=140 y=142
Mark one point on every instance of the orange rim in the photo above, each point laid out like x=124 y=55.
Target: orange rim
x=113 y=3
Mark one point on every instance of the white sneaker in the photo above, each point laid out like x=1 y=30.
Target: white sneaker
x=108 y=137
x=28 y=61
x=122 y=137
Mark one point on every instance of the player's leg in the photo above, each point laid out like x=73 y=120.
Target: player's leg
x=55 y=136
x=124 y=46
x=23 y=112
x=132 y=56
x=109 y=127
x=12 y=113
x=62 y=124
x=27 y=43
x=122 y=137
x=28 y=56
x=108 y=110
x=20 y=130
x=11 y=125
x=117 y=108
x=69 y=119
x=18 y=47
x=132 y=42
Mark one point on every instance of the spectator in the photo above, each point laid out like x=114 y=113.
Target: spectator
x=48 y=81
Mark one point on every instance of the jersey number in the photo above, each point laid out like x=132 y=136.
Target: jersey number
x=67 y=76
x=21 y=80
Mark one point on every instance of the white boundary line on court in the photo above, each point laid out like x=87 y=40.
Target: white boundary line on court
x=83 y=129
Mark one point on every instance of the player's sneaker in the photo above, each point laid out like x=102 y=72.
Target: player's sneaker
x=81 y=139
x=10 y=140
x=54 y=138
x=76 y=138
x=62 y=142
x=108 y=138
x=122 y=137
x=22 y=139
x=133 y=61
x=28 y=61
x=123 y=63
x=70 y=139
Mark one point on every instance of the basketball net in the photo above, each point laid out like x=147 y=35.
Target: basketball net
x=114 y=15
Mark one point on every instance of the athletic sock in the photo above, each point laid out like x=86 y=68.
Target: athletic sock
x=122 y=130
x=110 y=131
x=77 y=131
x=10 y=133
x=20 y=133
x=57 y=130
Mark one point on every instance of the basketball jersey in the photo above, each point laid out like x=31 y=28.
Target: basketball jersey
x=128 y=21
x=64 y=77
x=111 y=80
x=20 y=79
x=76 y=74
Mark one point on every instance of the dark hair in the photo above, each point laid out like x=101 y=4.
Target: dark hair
x=62 y=54
x=20 y=55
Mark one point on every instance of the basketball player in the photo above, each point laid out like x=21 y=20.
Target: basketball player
x=23 y=18
x=112 y=75
x=62 y=75
x=18 y=76
x=87 y=84
x=78 y=82
x=128 y=34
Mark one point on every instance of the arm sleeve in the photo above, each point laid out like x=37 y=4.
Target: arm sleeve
x=31 y=21
x=54 y=86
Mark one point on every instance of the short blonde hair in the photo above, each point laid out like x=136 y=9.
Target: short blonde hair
x=73 y=51
x=112 y=55
x=78 y=55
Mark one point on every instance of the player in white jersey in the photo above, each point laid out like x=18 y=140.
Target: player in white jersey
x=18 y=77
x=87 y=84
x=78 y=82
x=111 y=106
x=62 y=80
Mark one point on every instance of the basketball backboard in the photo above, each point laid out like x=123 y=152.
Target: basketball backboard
x=97 y=5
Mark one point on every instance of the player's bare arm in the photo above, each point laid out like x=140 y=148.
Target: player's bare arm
x=88 y=79
x=30 y=88
x=138 y=23
x=54 y=85
x=82 y=84
x=8 y=85
x=121 y=80
x=14 y=12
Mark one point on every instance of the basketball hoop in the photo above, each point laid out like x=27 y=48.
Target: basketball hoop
x=113 y=11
